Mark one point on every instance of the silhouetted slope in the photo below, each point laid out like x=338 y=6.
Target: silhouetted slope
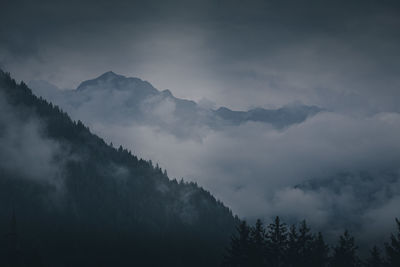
x=101 y=206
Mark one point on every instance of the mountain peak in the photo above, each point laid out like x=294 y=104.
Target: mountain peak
x=167 y=92
x=112 y=81
x=106 y=77
x=109 y=75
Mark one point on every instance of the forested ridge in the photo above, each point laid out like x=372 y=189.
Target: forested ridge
x=105 y=206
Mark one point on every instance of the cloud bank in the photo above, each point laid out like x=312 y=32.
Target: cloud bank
x=25 y=152
x=336 y=171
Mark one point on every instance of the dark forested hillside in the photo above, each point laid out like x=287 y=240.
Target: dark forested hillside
x=78 y=201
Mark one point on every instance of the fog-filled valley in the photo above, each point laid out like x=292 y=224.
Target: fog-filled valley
x=297 y=161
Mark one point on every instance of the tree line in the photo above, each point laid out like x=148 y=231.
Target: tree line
x=280 y=245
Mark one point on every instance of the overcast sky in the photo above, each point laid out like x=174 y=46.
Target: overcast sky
x=337 y=54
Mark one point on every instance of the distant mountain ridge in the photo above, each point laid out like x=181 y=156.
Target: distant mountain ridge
x=280 y=118
x=116 y=81
x=116 y=97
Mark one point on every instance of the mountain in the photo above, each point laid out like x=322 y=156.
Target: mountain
x=116 y=99
x=78 y=201
x=279 y=118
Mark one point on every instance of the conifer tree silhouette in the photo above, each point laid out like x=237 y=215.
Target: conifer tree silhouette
x=237 y=255
x=319 y=251
x=375 y=259
x=257 y=246
x=276 y=243
x=304 y=243
x=393 y=248
x=292 y=252
x=344 y=254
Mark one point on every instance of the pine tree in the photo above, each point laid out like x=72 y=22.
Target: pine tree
x=319 y=251
x=258 y=248
x=344 y=254
x=237 y=254
x=375 y=258
x=292 y=252
x=304 y=244
x=276 y=243
x=393 y=249
x=299 y=248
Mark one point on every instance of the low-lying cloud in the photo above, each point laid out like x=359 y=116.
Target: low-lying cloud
x=25 y=152
x=259 y=171
x=337 y=169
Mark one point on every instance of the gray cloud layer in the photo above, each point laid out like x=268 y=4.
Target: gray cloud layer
x=335 y=169
x=255 y=169
x=258 y=53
